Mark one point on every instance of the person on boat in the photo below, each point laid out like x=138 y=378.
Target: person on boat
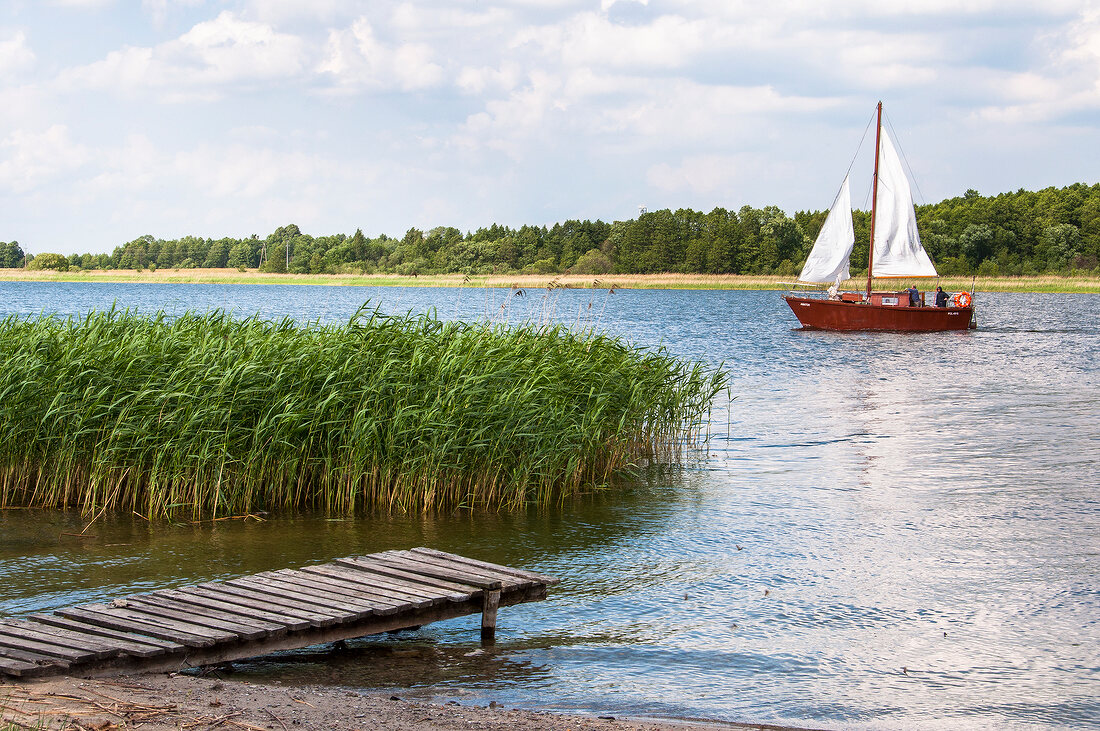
x=941 y=297
x=914 y=296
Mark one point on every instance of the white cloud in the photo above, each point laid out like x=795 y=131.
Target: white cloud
x=1067 y=83
x=15 y=55
x=706 y=174
x=158 y=10
x=82 y=3
x=715 y=177
x=811 y=12
x=478 y=81
x=878 y=60
x=303 y=107
x=32 y=159
x=133 y=167
x=281 y=12
x=228 y=49
x=683 y=115
x=201 y=64
x=26 y=106
x=236 y=171
x=241 y=171
x=1081 y=56
x=670 y=41
x=422 y=19
x=626 y=111
x=510 y=124
x=210 y=189
x=357 y=60
x=606 y=5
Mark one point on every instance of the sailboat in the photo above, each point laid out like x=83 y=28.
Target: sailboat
x=894 y=251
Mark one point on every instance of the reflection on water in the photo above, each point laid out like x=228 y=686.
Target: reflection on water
x=886 y=531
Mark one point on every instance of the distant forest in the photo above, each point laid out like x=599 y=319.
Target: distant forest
x=1052 y=230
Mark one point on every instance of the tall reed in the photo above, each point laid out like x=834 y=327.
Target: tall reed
x=213 y=415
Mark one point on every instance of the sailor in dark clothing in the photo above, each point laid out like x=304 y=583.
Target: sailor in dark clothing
x=914 y=296
x=941 y=297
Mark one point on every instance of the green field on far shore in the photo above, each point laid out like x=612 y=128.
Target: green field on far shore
x=1038 y=283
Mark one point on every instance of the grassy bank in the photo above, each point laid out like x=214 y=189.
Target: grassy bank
x=214 y=415
x=1040 y=283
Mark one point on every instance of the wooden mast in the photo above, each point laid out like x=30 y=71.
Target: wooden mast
x=874 y=202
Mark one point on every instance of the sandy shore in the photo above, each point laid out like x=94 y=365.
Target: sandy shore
x=162 y=702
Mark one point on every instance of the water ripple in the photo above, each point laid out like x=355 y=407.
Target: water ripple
x=883 y=531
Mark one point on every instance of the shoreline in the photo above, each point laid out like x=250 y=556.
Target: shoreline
x=158 y=702
x=1036 y=284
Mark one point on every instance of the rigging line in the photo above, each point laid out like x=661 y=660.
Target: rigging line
x=904 y=159
x=848 y=172
x=860 y=145
x=867 y=196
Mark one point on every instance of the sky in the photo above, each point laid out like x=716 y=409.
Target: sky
x=221 y=118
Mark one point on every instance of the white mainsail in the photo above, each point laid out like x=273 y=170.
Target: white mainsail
x=828 y=260
x=898 y=251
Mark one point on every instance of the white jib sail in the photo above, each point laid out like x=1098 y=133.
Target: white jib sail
x=898 y=251
x=828 y=260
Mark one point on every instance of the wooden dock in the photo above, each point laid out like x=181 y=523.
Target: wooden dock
x=221 y=621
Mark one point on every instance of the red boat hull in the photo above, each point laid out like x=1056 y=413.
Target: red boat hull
x=824 y=314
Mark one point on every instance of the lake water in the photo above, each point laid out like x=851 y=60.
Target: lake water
x=884 y=531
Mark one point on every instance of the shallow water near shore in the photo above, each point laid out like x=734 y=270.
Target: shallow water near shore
x=883 y=530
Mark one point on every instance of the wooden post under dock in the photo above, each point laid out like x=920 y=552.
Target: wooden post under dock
x=215 y=622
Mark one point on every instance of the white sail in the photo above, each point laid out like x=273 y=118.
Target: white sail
x=828 y=260
x=898 y=251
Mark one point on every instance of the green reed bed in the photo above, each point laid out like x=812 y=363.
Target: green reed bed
x=215 y=415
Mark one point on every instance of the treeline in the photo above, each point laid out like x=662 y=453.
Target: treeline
x=1052 y=230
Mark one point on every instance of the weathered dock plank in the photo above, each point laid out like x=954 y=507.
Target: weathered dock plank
x=417 y=595
x=461 y=561
x=132 y=644
x=396 y=582
x=34 y=658
x=377 y=604
x=44 y=649
x=348 y=611
x=343 y=589
x=235 y=626
x=410 y=579
x=343 y=586
x=104 y=616
x=444 y=569
x=441 y=573
x=21 y=669
x=221 y=621
x=265 y=602
x=18 y=630
x=273 y=624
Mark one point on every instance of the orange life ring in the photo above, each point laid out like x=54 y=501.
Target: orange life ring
x=962 y=299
